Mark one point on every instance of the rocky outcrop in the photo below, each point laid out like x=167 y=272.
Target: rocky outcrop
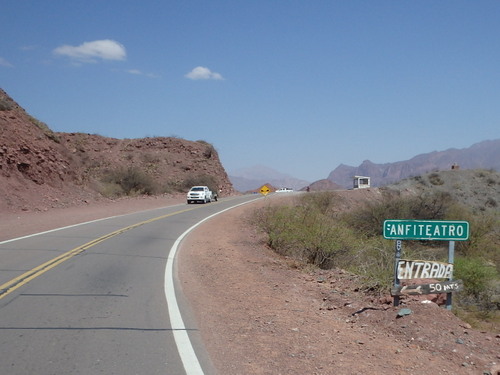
x=324 y=185
x=40 y=168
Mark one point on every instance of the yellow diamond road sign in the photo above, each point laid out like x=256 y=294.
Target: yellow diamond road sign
x=264 y=190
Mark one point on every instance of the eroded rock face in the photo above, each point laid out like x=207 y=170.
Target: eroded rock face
x=29 y=149
x=40 y=168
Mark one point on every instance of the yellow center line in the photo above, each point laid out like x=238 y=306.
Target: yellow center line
x=26 y=277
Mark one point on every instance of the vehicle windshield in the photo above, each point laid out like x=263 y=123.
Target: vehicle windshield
x=197 y=189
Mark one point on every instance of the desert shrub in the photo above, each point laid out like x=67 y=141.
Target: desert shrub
x=150 y=158
x=209 y=149
x=325 y=202
x=313 y=236
x=484 y=237
x=435 y=179
x=276 y=223
x=169 y=187
x=419 y=180
x=46 y=130
x=374 y=262
x=314 y=230
x=482 y=173
x=491 y=181
x=478 y=277
x=305 y=234
x=132 y=181
x=110 y=189
x=491 y=202
x=369 y=219
x=311 y=233
x=5 y=105
x=209 y=152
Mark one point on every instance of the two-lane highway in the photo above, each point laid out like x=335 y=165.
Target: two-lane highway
x=100 y=298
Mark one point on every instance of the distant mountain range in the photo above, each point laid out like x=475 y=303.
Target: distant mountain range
x=252 y=178
x=484 y=155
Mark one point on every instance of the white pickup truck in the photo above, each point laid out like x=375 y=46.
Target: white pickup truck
x=200 y=194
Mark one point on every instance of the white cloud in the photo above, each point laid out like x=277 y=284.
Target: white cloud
x=135 y=71
x=91 y=51
x=28 y=48
x=200 y=72
x=141 y=73
x=4 y=62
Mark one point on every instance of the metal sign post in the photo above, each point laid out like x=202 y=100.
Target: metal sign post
x=399 y=247
x=451 y=259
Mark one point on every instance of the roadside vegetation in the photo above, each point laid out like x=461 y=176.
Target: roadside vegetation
x=129 y=181
x=316 y=230
x=134 y=181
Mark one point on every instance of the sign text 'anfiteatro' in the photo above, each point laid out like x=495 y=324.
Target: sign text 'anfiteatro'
x=426 y=230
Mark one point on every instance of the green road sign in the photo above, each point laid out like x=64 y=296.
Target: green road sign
x=426 y=230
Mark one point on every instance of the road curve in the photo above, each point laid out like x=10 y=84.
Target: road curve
x=100 y=297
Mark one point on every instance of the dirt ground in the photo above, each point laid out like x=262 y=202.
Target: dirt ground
x=261 y=314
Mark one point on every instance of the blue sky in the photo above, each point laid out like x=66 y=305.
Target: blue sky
x=297 y=86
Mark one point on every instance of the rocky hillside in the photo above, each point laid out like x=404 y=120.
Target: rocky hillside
x=324 y=185
x=485 y=155
x=41 y=169
x=477 y=189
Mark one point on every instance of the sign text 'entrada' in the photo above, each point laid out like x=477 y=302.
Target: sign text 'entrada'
x=423 y=269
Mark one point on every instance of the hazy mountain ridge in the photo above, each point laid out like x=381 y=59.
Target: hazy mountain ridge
x=482 y=155
x=251 y=178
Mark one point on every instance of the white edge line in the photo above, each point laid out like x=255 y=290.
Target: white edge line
x=78 y=224
x=57 y=229
x=184 y=346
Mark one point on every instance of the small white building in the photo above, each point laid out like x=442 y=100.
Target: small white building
x=361 y=182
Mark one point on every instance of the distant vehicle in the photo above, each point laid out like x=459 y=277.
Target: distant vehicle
x=200 y=194
x=284 y=190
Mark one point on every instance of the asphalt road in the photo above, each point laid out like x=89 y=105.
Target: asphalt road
x=100 y=297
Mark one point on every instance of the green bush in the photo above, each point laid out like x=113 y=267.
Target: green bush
x=369 y=219
x=303 y=234
x=314 y=230
x=209 y=149
x=326 y=203
x=46 y=130
x=131 y=181
x=5 y=105
x=435 y=179
x=110 y=189
x=374 y=262
x=484 y=237
x=478 y=277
